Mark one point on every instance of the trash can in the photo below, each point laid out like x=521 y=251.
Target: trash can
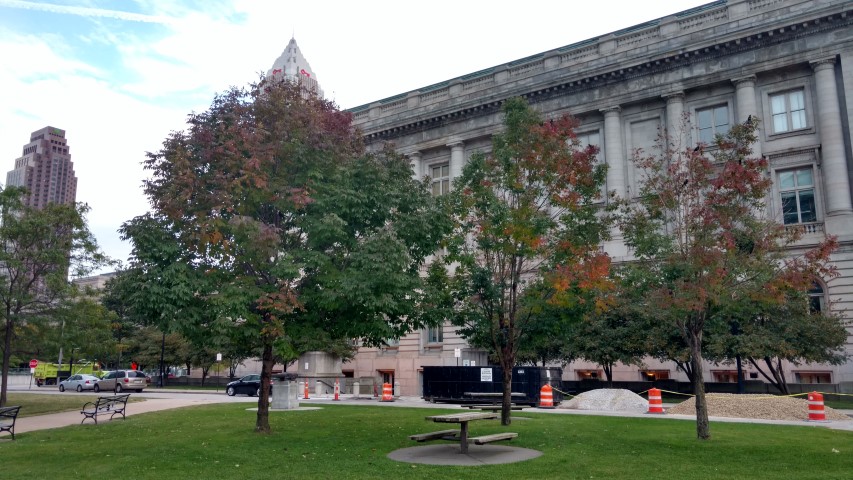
x=285 y=394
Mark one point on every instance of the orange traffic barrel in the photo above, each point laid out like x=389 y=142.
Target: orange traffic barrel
x=655 y=401
x=546 y=397
x=816 y=413
x=387 y=393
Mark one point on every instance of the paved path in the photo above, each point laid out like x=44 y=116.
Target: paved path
x=56 y=420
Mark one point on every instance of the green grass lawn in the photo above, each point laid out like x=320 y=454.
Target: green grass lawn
x=35 y=404
x=343 y=442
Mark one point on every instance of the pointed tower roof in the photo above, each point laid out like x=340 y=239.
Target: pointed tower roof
x=293 y=65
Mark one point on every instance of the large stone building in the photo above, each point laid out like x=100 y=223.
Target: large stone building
x=788 y=63
x=45 y=169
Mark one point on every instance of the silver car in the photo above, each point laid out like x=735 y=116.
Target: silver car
x=79 y=382
x=121 y=380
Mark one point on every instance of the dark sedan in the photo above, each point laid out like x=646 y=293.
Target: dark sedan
x=249 y=385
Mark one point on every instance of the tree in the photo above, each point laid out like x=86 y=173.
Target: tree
x=274 y=199
x=39 y=248
x=698 y=234
x=766 y=333
x=523 y=213
x=168 y=288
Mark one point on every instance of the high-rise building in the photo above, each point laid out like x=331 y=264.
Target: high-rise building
x=292 y=65
x=45 y=169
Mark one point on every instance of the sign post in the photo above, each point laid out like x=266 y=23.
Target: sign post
x=218 y=370
x=33 y=364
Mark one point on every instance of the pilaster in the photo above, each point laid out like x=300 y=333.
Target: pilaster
x=833 y=157
x=614 y=151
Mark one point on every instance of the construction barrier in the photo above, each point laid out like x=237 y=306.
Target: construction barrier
x=387 y=393
x=337 y=389
x=306 y=390
x=816 y=412
x=546 y=396
x=655 y=401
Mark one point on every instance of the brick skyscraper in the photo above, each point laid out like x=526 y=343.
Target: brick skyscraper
x=45 y=169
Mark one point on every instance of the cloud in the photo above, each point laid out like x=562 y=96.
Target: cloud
x=86 y=11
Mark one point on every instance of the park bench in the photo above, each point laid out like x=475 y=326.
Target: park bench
x=112 y=405
x=8 y=416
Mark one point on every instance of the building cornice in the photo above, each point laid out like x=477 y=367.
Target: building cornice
x=379 y=120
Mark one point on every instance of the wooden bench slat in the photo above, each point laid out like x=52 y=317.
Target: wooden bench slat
x=482 y=440
x=442 y=434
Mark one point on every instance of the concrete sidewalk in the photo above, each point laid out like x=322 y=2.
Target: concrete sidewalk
x=57 y=420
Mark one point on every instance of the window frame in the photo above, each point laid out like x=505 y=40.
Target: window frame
x=711 y=106
x=767 y=91
x=788 y=110
x=797 y=189
x=428 y=337
x=439 y=180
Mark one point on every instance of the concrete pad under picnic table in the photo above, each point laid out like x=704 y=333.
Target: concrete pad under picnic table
x=448 y=454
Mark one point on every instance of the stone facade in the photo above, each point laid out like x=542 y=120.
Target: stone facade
x=788 y=63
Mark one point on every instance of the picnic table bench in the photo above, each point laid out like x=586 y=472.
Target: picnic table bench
x=8 y=416
x=495 y=407
x=461 y=435
x=112 y=405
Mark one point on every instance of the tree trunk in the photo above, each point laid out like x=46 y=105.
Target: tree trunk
x=687 y=368
x=7 y=357
x=608 y=372
x=506 y=406
x=162 y=361
x=741 y=388
x=703 y=430
x=263 y=422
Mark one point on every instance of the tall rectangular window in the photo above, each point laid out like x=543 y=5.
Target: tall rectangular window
x=435 y=334
x=796 y=188
x=712 y=121
x=788 y=110
x=440 y=175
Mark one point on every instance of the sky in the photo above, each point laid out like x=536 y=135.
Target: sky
x=119 y=75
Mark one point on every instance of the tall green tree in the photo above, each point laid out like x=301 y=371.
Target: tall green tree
x=39 y=249
x=276 y=201
x=698 y=233
x=525 y=212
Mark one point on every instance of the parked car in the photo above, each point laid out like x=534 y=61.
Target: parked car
x=249 y=385
x=120 y=380
x=79 y=382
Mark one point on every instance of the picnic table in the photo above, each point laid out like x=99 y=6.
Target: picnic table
x=461 y=435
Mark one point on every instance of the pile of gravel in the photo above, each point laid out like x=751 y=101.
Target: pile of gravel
x=754 y=406
x=610 y=399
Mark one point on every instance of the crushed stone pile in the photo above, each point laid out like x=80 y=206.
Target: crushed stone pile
x=610 y=399
x=754 y=406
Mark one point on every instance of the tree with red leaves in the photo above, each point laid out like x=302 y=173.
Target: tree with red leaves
x=706 y=246
x=298 y=232
x=526 y=214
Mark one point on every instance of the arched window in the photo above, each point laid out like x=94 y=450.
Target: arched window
x=816 y=298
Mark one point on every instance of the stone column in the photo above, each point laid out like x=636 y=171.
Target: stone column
x=833 y=159
x=675 y=130
x=613 y=151
x=457 y=159
x=417 y=166
x=746 y=106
